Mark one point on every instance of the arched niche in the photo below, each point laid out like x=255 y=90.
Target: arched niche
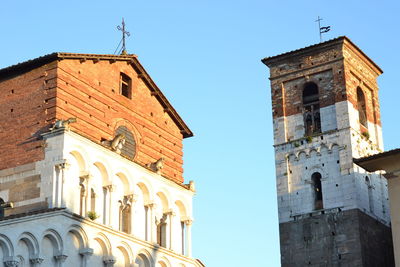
x=311 y=109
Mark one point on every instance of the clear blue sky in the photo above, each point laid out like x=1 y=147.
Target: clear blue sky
x=205 y=56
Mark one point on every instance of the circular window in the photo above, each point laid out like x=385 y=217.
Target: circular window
x=129 y=148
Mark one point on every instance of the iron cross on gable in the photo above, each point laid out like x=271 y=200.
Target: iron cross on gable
x=124 y=33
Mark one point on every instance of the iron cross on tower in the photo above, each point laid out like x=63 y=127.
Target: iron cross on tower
x=124 y=32
x=322 y=29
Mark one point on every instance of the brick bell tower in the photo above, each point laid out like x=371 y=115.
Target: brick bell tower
x=325 y=113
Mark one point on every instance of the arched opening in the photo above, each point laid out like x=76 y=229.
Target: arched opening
x=125 y=216
x=142 y=261
x=162 y=232
x=317 y=189
x=311 y=114
x=162 y=219
x=179 y=227
x=362 y=109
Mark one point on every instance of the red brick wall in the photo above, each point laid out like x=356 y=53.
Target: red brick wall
x=336 y=70
x=27 y=108
x=288 y=77
x=89 y=91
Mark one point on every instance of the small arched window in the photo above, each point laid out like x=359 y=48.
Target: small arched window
x=361 y=107
x=311 y=113
x=317 y=188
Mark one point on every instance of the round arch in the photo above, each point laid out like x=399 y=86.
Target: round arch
x=31 y=242
x=6 y=246
x=144 y=259
x=80 y=234
x=55 y=239
x=105 y=244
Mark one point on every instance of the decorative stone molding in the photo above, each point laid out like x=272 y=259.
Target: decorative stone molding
x=170 y=212
x=110 y=187
x=86 y=176
x=64 y=165
x=188 y=222
x=109 y=261
x=36 y=261
x=11 y=261
x=156 y=166
x=61 y=258
x=192 y=186
x=86 y=251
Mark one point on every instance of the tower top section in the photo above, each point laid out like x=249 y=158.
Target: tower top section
x=341 y=44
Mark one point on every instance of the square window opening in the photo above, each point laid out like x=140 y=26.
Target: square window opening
x=125 y=86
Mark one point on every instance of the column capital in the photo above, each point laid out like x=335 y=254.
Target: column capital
x=85 y=176
x=151 y=205
x=11 y=261
x=86 y=251
x=61 y=258
x=110 y=187
x=63 y=165
x=109 y=260
x=188 y=221
x=170 y=212
x=36 y=261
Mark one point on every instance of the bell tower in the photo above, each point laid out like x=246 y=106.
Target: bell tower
x=325 y=113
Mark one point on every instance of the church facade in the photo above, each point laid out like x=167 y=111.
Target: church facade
x=91 y=166
x=325 y=109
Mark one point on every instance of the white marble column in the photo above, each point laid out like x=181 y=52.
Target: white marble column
x=106 y=202
x=151 y=225
x=170 y=235
x=60 y=180
x=133 y=202
x=188 y=241
x=88 y=193
x=111 y=189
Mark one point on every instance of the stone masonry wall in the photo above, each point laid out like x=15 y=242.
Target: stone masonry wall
x=347 y=238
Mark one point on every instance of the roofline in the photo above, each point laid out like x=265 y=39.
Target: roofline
x=377 y=156
x=268 y=61
x=132 y=59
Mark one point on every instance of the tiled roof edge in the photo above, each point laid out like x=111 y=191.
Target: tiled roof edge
x=268 y=60
x=37 y=62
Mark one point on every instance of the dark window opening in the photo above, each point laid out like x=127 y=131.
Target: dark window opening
x=162 y=233
x=2 y=208
x=317 y=188
x=125 y=86
x=311 y=114
x=362 y=109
